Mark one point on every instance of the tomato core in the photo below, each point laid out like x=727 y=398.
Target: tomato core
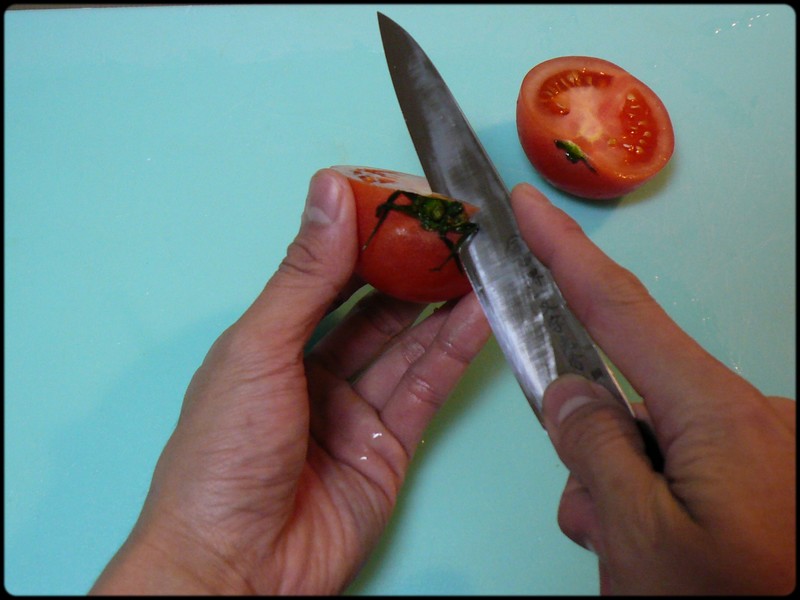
x=639 y=135
x=552 y=95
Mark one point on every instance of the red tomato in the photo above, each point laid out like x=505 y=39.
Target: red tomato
x=591 y=128
x=402 y=258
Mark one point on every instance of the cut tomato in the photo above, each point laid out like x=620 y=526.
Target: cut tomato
x=408 y=236
x=591 y=128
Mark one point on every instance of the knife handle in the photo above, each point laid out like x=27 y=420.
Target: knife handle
x=651 y=446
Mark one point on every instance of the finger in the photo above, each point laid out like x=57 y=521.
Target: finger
x=577 y=517
x=319 y=263
x=376 y=383
x=680 y=381
x=351 y=427
x=786 y=409
x=604 y=573
x=599 y=443
x=372 y=323
x=429 y=379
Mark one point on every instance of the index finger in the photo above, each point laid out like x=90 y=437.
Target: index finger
x=678 y=379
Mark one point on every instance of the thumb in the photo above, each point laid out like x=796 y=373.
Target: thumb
x=318 y=264
x=597 y=439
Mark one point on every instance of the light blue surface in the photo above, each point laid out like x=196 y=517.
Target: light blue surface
x=156 y=163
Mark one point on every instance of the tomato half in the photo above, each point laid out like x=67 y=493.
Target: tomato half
x=398 y=255
x=591 y=128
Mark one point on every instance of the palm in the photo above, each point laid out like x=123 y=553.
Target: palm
x=361 y=438
x=337 y=515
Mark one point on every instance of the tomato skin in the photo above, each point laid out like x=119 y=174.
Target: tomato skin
x=619 y=123
x=401 y=259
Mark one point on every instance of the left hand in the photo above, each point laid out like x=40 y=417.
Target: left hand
x=285 y=465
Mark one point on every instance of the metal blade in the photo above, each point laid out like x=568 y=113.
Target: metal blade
x=537 y=332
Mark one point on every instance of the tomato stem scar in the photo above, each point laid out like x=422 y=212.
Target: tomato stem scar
x=436 y=214
x=574 y=153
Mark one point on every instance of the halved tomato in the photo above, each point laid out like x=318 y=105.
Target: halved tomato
x=591 y=128
x=408 y=236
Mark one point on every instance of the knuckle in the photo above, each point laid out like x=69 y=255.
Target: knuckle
x=411 y=349
x=232 y=344
x=448 y=348
x=243 y=358
x=591 y=430
x=570 y=520
x=569 y=226
x=246 y=349
x=621 y=287
x=422 y=391
x=617 y=290
x=307 y=266
x=303 y=257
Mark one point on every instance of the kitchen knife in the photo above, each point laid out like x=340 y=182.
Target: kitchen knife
x=531 y=321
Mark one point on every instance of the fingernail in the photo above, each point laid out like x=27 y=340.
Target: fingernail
x=532 y=194
x=571 y=405
x=567 y=394
x=324 y=199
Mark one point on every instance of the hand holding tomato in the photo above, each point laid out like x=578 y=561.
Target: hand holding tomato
x=408 y=237
x=284 y=466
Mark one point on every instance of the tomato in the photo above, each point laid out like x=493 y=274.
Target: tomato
x=591 y=128
x=398 y=255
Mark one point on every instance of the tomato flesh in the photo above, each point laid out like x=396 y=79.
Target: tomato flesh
x=617 y=125
x=402 y=259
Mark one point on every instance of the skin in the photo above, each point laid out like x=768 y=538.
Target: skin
x=283 y=469
x=285 y=464
x=721 y=518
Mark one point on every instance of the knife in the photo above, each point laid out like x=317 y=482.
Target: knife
x=534 y=327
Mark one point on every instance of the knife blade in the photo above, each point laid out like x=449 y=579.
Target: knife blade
x=532 y=323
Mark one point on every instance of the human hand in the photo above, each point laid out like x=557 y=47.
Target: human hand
x=721 y=519
x=285 y=465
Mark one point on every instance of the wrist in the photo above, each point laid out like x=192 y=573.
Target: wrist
x=145 y=566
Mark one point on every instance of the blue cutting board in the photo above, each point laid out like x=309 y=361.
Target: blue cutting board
x=156 y=162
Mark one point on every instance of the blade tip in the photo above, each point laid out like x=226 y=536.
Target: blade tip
x=383 y=20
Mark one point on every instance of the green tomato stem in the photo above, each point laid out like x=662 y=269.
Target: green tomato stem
x=574 y=153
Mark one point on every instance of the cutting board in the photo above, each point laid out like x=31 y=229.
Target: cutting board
x=156 y=163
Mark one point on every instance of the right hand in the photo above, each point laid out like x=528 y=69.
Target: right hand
x=721 y=518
